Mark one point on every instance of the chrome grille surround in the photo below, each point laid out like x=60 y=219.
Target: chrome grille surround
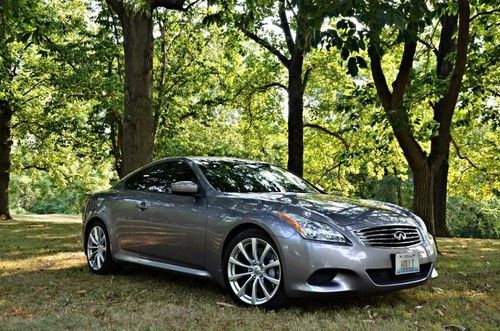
x=390 y=236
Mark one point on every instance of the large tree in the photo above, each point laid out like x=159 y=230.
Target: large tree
x=293 y=29
x=18 y=23
x=410 y=20
x=138 y=128
x=5 y=147
x=40 y=88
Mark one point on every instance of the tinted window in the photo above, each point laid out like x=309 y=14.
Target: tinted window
x=159 y=177
x=239 y=176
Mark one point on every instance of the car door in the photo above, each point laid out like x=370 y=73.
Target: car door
x=175 y=228
x=130 y=210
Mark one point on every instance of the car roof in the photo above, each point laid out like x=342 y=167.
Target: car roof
x=212 y=158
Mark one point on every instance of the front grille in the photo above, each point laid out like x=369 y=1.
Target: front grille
x=390 y=236
x=388 y=277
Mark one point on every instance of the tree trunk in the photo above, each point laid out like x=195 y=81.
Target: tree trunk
x=423 y=196
x=138 y=118
x=295 y=116
x=116 y=136
x=5 y=148
x=440 y=189
x=399 y=183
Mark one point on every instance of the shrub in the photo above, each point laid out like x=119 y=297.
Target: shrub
x=474 y=219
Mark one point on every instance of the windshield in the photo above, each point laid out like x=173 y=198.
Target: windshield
x=249 y=177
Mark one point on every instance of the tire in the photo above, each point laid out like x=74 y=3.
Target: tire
x=97 y=249
x=254 y=281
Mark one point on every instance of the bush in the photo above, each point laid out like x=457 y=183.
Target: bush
x=41 y=194
x=474 y=219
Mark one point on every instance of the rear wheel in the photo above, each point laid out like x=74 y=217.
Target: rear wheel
x=253 y=270
x=99 y=258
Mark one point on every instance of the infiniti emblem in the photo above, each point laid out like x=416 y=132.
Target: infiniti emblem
x=399 y=235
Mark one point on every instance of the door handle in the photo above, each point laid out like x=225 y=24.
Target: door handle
x=142 y=206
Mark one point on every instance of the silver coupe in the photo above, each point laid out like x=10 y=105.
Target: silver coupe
x=260 y=231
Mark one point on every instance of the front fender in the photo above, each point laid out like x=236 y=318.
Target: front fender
x=219 y=230
x=97 y=210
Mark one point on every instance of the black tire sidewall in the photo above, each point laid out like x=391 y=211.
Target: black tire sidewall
x=279 y=298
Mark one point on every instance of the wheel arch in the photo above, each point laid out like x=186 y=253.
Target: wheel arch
x=251 y=225
x=237 y=230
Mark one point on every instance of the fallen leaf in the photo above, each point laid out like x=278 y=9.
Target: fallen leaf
x=225 y=304
x=418 y=307
x=437 y=289
x=17 y=312
x=440 y=312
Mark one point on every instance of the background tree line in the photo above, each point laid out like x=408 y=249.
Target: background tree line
x=396 y=101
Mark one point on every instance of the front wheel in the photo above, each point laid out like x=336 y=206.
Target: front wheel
x=253 y=270
x=99 y=258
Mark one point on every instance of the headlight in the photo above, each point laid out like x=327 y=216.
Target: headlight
x=313 y=230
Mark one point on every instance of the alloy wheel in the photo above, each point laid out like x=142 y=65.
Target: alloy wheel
x=254 y=271
x=96 y=248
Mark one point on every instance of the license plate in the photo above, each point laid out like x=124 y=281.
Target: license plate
x=407 y=263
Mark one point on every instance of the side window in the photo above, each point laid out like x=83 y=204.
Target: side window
x=159 y=177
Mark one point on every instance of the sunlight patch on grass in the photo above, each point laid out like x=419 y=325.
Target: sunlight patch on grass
x=46 y=262
x=51 y=218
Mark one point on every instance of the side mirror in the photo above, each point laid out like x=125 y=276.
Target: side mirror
x=184 y=187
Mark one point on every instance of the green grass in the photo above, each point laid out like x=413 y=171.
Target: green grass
x=44 y=284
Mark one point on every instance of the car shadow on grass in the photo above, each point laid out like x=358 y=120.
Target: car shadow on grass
x=66 y=289
x=210 y=289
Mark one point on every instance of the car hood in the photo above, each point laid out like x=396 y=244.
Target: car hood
x=348 y=212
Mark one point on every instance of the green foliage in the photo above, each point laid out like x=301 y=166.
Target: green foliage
x=216 y=93
x=43 y=192
x=474 y=219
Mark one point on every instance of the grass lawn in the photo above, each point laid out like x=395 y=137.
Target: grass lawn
x=44 y=284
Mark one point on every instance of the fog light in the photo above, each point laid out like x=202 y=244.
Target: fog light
x=322 y=277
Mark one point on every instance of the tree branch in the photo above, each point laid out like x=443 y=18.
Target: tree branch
x=461 y=60
x=428 y=44
x=401 y=82
x=285 y=26
x=168 y=4
x=32 y=87
x=274 y=84
x=463 y=157
x=307 y=75
x=379 y=79
x=330 y=169
x=486 y=12
x=55 y=47
x=412 y=150
x=265 y=44
x=192 y=4
x=329 y=132
x=117 y=7
x=34 y=166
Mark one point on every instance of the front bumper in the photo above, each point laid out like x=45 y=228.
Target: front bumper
x=348 y=269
